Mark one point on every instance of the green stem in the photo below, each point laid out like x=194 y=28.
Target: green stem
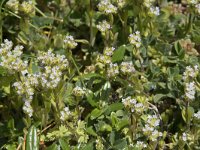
x=41 y=13
x=189 y=24
x=1 y=22
x=91 y=28
x=73 y=61
x=187 y=119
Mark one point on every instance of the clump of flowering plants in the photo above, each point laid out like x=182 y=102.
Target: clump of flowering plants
x=99 y=74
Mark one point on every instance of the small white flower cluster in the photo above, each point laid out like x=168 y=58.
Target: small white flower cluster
x=155 y=10
x=27 y=108
x=150 y=127
x=190 y=90
x=64 y=114
x=141 y=145
x=25 y=88
x=113 y=70
x=197 y=115
x=127 y=67
x=13 y=5
x=53 y=67
x=103 y=26
x=51 y=77
x=134 y=105
x=148 y=3
x=188 y=76
x=70 y=42
x=48 y=77
x=50 y=59
x=27 y=7
x=106 y=7
x=192 y=2
x=197 y=6
x=152 y=9
x=106 y=57
x=78 y=91
x=135 y=39
x=184 y=137
x=108 y=51
x=11 y=59
x=190 y=72
x=121 y=3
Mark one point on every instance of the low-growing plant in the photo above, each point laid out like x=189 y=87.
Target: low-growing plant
x=99 y=74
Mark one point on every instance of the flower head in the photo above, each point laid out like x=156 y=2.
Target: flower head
x=106 y=7
x=70 y=42
x=135 y=39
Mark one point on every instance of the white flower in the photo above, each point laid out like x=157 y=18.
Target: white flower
x=184 y=137
x=78 y=91
x=108 y=51
x=198 y=8
x=106 y=7
x=121 y=3
x=148 y=3
x=127 y=67
x=192 y=2
x=70 y=42
x=197 y=115
x=24 y=72
x=104 y=59
x=113 y=70
x=135 y=39
x=140 y=144
x=11 y=59
x=64 y=114
x=190 y=90
x=27 y=108
x=155 y=10
x=190 y=72
x=103 y=26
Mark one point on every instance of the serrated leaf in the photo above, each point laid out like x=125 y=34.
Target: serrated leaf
x=119 y=54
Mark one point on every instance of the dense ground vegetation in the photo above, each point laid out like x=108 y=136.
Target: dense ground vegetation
x=99 y=74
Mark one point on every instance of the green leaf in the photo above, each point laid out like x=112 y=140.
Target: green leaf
x=105 y=127
x=119 y=54
x=159 y=97
x=89 y=146
x=122 y=123
x=187 y=114
x=64 y=145
x=114 y=107
x=32 y=142
x=53 y=147
x=90 y=75
x=112 y=137
x=120 y=144
x=91 y=131
x=95 y=113
x=82 y=41
x=90 y=99
x=179 y=50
